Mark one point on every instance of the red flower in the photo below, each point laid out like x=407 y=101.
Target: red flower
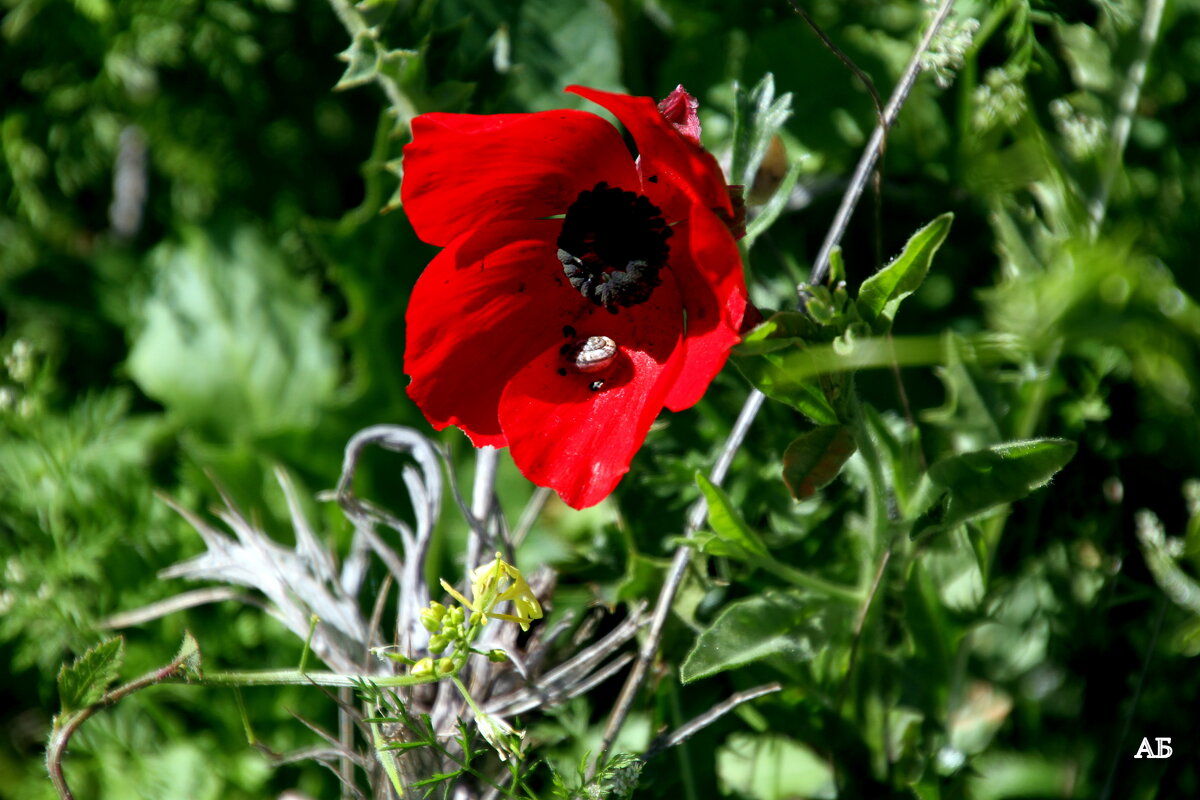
x=580 y=290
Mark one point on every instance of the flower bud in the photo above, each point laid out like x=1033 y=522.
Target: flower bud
x=431 y=617
x=422 y=668
x=497 y=656
x=445 y=666
x=438 y=643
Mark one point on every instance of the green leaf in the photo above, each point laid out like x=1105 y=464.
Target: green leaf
x=728 y=525
x=792 y=624
x=772 y=767
x=780 y=330
x=880 y=294
x=362 y=58
x=557 y=44
x=188 y=657
x=232 y=342
x=781 y=375
x=996 y=475
x=86 y=679
x=814 y=459
x=758 y=116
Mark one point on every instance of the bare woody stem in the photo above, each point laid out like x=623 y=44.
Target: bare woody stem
x=866 y=163
x=666 y=597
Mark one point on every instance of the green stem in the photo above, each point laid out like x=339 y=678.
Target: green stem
x=67 y=723
x=804 y=580
x=877 y=489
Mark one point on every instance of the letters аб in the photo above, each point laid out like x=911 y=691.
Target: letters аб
x=1164 y=748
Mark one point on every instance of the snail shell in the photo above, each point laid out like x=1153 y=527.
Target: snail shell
x=595 y=354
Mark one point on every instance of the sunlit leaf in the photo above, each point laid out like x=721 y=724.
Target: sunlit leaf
x=880 y=294
x=758 y=116
x=773 y=375
x=773 y=767
x=362 y=59
x=188 y=656
x=232 y=343
x=728 y=524
x=86 y=679
x=991 y=477
x=792 y=624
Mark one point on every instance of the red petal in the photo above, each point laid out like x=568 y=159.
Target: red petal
x=483 y=308
x=706 y=264
x=577 y=441
x=464 y=170
x=674 y=169
x=679 y=109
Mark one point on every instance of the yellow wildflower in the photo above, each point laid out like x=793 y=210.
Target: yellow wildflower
x=492 y=584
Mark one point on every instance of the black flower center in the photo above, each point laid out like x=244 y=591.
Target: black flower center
x=612 y=245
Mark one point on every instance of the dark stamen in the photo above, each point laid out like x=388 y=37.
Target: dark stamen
x=612 y=245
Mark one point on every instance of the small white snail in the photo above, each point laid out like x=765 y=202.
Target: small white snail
x=595 y=354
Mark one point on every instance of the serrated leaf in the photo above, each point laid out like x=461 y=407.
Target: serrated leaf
x=792 y=624
x=740 y=539
x=362 y=58
x=814 y=459
x=86 y=679
x=773 y=767
x=985 y=479
x=188 y=658
x=880 y=294
x=395 y=167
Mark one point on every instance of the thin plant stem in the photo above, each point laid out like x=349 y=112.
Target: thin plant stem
x=68 y=723
x=752 y=405
x=1126 y=108
x=697 y=724
x=1137 y=696
x=874 y=148
x=863 y=77
x=666 y=596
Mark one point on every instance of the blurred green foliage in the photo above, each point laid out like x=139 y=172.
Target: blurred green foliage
x=197 y=281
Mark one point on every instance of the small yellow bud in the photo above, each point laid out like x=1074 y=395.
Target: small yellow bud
x=438 y=643
x=422 y=668
x=431 y=617
x=445 y=666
